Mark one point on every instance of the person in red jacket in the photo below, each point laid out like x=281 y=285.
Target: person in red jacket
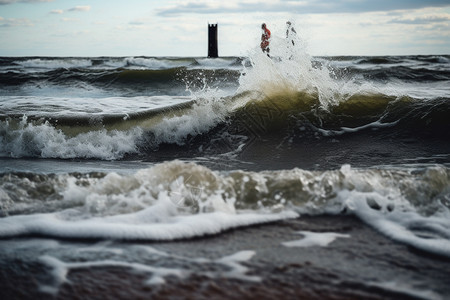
x=265 y=39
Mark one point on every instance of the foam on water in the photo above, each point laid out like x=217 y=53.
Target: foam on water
x=407 y=211
x=206 y=114
x=73 y=107
x=153 y=204
x=229 y=266
x=46 y=141
x=217 y=63
x=290 y=75
x=311 y=239
x=55 y=63
x=376 y=124
x=178 y=200
x=408 y=289
x=159 y=222
x=428 y=233
x=153 y=63
x=85 y=135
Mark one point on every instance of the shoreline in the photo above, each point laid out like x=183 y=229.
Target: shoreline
x=366 y=265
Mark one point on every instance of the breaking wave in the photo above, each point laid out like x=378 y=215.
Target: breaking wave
x=246 y=115
x=231 y=101
x=162 y=202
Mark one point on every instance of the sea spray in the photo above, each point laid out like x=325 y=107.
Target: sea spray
x=289 y=69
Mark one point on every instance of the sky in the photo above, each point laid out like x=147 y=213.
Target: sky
x=179 y=27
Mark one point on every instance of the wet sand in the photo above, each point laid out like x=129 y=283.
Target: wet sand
x=365 y=265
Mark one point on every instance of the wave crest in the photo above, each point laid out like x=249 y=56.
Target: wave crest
x=176 y=200
x=26 y=139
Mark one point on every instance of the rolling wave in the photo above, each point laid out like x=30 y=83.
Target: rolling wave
x=172 y=81
x=153 y=63
x=286 y=98
x=176 y=200
x=108 y=72
x=203 y=122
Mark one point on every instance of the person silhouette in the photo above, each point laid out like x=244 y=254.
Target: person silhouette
x=290 y=32
x=265 y=39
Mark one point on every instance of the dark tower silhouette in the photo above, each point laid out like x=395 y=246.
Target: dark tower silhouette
x=212 y=41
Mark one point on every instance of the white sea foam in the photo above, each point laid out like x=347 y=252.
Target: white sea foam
x=153 y=204
x=373 y=125
x=204 y=115
x=44 y=140
x=407 y=289
x=311 y=239
x=159 y=203
x=237 y=269
x=93 y=140
x=154 y=63
x=112 y=63
x=154 y=223
x=216 y=63
x=417 y=220
x=73 y=107
x=55 y=63
x=127 y=62
x=60 y=270
x=225 y=267
x=403 y=224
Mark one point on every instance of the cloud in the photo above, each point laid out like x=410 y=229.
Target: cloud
x=15 y=22
x=288 y=6
x=81 y=8
x=136 y=23
x=200 y=7
x=6 y=2
x=69 y=20
x=422 y=20
x=57 y=11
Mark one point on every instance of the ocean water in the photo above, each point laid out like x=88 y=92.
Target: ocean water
x=157 y=149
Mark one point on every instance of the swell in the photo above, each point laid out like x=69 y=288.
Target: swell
x=167 y=73
x=268 y=112
x=227 y=123
x=166 y=79
x=402 y=114
x=406 y=112
x=422 y=74
x=401 y=59
x=295 y=97
x=389 y=68
x=75 y=124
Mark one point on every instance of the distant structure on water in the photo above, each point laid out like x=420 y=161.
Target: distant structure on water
x=212 y=41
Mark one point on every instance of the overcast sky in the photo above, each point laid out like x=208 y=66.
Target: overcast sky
x=179 y=27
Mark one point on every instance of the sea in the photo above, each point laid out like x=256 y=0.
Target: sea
x=120 y=163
